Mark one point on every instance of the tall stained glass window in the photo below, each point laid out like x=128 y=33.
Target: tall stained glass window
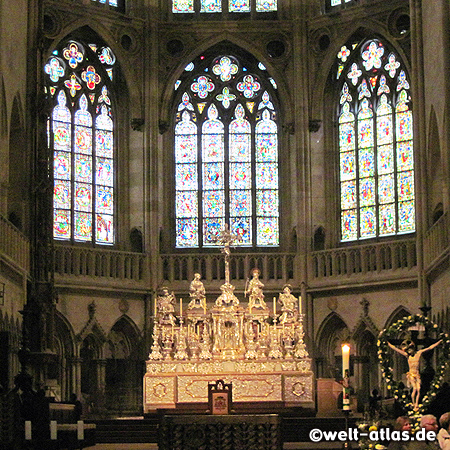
x=81 y=134
x=226 y=153
x=375 y=142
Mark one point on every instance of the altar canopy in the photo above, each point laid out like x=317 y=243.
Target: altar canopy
x=260 y=350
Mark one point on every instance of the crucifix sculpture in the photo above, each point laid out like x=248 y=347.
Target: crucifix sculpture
x=227 y=238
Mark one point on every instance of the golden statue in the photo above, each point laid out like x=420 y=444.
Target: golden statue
x=254 y=289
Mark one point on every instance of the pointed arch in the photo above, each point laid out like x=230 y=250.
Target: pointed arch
x=375 y=140
x=226 y=150
x=123 y=338
x=81 y=79
x=332 y=332
x=399 y=312
x=3 y=110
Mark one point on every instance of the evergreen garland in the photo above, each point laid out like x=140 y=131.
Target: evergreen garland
x=386 y=361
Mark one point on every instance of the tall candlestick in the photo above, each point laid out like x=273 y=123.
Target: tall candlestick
x=300 y=304
x=181 y=307
x=345 y=360
x=274 y=306
x=156 y=306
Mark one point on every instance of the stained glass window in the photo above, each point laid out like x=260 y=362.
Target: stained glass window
x=375 y=142
x=81 y=133
x=226 y=153
x=219 y=6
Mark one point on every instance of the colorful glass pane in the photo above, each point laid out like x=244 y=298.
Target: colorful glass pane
x=61 y=194
x=62 y=139
x=367 y=191
x=367 y=222
x=241 y=226
x=266 y=5
x=83 y=168
x=366 y=162
x=212 y=147
x=266 y=147
x=404 y=126
x=266 y=176
x=83 y=139
x=384 y=129
x=348 y=169
x=104 y=200
x=104 y=228
x=83 y=197
x=213 y=204
x=406 y=217
x=385 y=159
x=240 y=203
x=365 y=133
x=61 y=224
x=239 y=5
x=186 y=178
x=405 y=185
x=267 y=203
x=187 y=232
x=249 y=86
x=387 y=219
x=225 y=67
x=183 y=6
x=348 y=195
x=386 y=190
x=405 y=159
x=213 y=176
x=62 y=165
x=349 y=225
x=212 y=229
x=185 y=148
x=104 y=171
x=186 y=204
x=347 y=136
x=240 y=147
x=240 y=176
x=210 y=6
x=104 y=143
x=267 y=233
x=82 y=226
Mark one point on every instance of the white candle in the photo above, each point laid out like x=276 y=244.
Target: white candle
x=300 y=304
x=53 y=430
x=274 y=306
x=181 y=307
x=345 y=359
x=80 y=430
x=156 y=306
x=28 y=430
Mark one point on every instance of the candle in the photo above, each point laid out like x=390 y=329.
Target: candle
x=274 y=306
x=80 y=430
x=53 y=430
x=156 y=306
x=181 y=307
x=345 y=359
x=28 y=430
x=300 y=304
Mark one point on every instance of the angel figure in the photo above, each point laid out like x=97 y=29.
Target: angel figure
x=409 y=350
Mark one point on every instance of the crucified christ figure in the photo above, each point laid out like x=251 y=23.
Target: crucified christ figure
x=408 y=349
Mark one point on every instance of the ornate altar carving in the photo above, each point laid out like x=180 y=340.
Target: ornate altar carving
x=262 y=353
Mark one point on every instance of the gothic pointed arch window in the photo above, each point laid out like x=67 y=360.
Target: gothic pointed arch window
x=375 y=127
x=79 y=83
x=226 y=152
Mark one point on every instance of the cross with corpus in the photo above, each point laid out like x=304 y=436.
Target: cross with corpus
x=227 y=238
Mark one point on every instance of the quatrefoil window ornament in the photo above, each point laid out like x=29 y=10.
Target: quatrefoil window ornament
x=225 y=69
x=248 y=86
x=202 y=86
x=73 y=55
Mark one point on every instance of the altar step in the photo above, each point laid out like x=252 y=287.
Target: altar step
x=294 y=430
x=124 y=431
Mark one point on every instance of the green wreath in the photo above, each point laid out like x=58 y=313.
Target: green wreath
x=386 y=366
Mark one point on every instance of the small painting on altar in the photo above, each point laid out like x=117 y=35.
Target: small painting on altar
x=219 y=397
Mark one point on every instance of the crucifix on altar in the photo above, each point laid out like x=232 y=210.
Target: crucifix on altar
x=227 y=239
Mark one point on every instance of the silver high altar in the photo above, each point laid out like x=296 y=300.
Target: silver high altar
x=262 y=353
